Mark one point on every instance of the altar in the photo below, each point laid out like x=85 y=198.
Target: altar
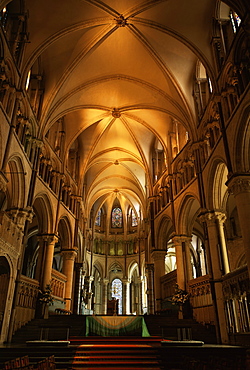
x=116 y=326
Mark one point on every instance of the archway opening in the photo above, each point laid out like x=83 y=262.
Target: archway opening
x=4 y=284
x=116 y=292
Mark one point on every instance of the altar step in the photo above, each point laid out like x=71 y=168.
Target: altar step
x=92 y=353
x=153 y=341
x=119 y=354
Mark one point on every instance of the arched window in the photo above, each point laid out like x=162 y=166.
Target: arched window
x=134 y=221
x=235 y=20
x=203 y=88
x=198 y=257
x=116 y=217
x=98 y=218
x=170 y=258
x=116 y=292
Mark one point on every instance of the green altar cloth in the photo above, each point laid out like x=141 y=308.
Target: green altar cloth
x=116 y=326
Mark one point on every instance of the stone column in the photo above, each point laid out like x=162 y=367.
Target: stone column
x=215 y=223
x=77 y=295
x=69 y=256
x=180 y=261
x=126 y=297
x=221 y=218
x=216 y=273
x=105 y=296
x=141 y=286
x=150 y=288
x=240 y=187
x=89 y=292
x=188 y=266
x=49 y=241
x=158 y=257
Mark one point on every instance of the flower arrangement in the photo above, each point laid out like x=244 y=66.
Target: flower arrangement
x=46 y=295
x=180 y=296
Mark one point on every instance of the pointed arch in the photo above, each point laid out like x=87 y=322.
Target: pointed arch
x=163 y=232
x=43 y=209
x=217 y=189
x=242 y=143
x=17 y=187
x=187 y=214
x=65 y=233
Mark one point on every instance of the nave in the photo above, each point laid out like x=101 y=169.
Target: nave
x=125 y=163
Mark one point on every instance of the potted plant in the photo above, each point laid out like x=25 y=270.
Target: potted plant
x=45 y=299
x=180 y=298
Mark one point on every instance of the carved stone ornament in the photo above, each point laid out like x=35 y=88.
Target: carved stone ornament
x=211 y=217
x=121 y=21
x=3 y=183
x=239 y=185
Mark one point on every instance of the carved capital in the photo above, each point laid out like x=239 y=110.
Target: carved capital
x=21 y=215
x=158 y=255
x=211 y=217
x=150 y=267
x=48 y=238
x=105 y=281
x=239 y=184
x=179 y=239
x=221 y=217
x=69 y=254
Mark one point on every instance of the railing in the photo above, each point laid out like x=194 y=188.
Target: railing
x=201 y=299
x=58 y=281
x=236 y=291
x=26 y=301
x=168 y=283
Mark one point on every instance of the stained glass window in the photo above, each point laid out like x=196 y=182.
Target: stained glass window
x=98 y=218
x=116 y=217
x=235 y=20
x=117 y=293
x=134 y=221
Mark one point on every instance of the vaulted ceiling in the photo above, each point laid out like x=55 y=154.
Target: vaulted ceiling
x=119 y=72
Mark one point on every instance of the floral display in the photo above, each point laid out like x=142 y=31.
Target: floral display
x=46 y=295
x=180 y=296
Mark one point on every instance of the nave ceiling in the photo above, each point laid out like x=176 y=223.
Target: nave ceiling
x=120 y=74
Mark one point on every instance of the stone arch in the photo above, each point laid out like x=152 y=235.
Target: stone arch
x=187 y=215
x=65 y=233
x=131 y=269
x=98 y=266
x=133 y=274
x=115 y=268
x=242 y=143
x=96 y=287
x=7 y=276
x=41 y=224
x=217 y=189
x=65 y=241
x=17 y=189
x=43 y=211
x=163 y=232
x=4 y=283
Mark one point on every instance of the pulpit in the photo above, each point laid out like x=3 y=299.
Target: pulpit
x=112 y=307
